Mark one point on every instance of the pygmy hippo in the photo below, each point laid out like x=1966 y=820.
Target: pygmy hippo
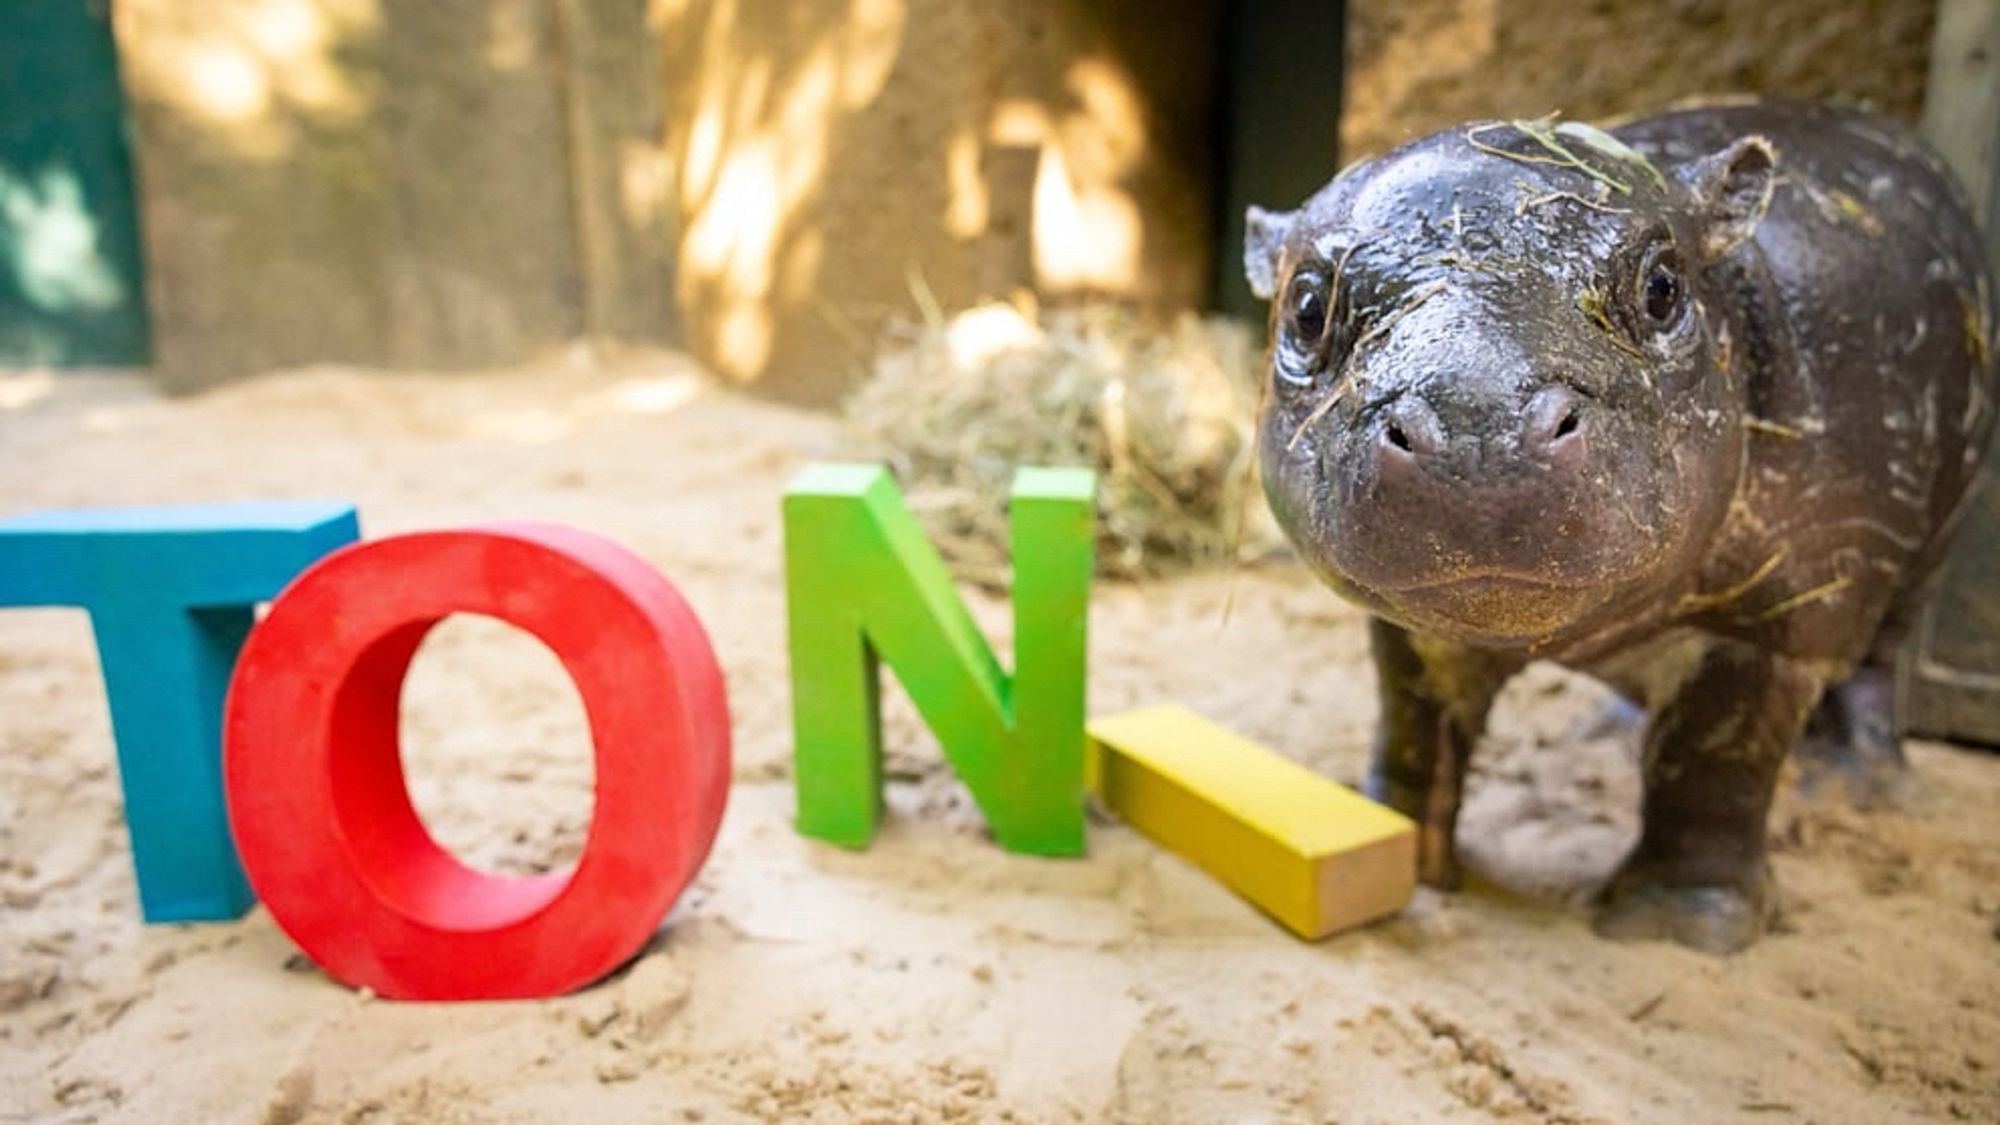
x=1691 y=405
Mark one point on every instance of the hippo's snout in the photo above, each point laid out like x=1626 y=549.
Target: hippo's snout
x=1414 y=449
x=1483 y=512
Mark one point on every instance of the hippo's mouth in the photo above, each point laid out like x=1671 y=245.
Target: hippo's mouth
x=1494 y=606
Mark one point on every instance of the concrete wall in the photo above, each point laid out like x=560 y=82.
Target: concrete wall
x=836 y=164
x=413 y=183
x=459 y=183
x=1419 y=65
x=824 y=154
x=456 y=183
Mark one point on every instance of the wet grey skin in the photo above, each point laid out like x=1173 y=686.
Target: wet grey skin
x=1691 y=406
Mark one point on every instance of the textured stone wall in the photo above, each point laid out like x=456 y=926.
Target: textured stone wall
x=412 y=183
x=455 y=183
x=842 y=163
x=1419 y=65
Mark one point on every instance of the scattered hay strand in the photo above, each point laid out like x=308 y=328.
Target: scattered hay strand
x=1325 y=407
x=1350 y=373
x=1547 y=133
x=1406 y=308
x=1818 y=593
x=1590 y=301
x=1163 y=410
x=1776 y=429
x=1700 y=602
x=1611 y=146
x=1528 y=203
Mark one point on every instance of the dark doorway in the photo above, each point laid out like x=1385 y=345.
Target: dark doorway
x=70 y=283
x=1280 y=121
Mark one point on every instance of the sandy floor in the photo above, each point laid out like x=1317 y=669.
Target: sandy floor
x=932 y=977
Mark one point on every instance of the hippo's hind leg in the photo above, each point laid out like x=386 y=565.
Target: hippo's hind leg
x=1435 y=696
x=1698 y=874
x=1854 y=739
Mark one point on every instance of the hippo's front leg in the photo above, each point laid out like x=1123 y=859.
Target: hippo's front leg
x=1435 y=696
x=1699 y=874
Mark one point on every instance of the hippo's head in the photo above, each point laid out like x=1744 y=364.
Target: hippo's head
x=1503 y=405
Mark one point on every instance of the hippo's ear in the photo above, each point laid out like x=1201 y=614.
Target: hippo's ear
x=1263 y=241
x=1734 y=187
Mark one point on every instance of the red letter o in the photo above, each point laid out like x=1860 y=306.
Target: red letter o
x=322 y=817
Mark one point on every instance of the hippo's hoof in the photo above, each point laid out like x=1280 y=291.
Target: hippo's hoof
x=1863 y=781
x=1437 y=864
x=1850 y=748
x=1403 y=796
x=1437 y=860
x=1712 y=919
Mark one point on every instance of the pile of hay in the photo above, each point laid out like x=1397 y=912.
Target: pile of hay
x=1162 y=410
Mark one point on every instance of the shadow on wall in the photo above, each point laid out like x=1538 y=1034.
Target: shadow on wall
x=260 y=180
x=460 y=183
x=834 y=165
x=386 y=181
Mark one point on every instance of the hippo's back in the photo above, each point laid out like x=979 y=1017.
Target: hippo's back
x=1864 y=310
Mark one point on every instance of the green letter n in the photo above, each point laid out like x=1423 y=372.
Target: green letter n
x=864 y=585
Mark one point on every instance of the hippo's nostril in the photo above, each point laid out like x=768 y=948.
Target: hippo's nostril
x=1554 y=423
x=1410 y=430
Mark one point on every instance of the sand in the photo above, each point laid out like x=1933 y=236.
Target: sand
x=932 y=976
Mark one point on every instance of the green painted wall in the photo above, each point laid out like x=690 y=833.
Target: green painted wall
x=70 y=279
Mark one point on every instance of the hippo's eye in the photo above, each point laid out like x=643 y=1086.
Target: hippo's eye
x=1306 y=307
x=1664 y=293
